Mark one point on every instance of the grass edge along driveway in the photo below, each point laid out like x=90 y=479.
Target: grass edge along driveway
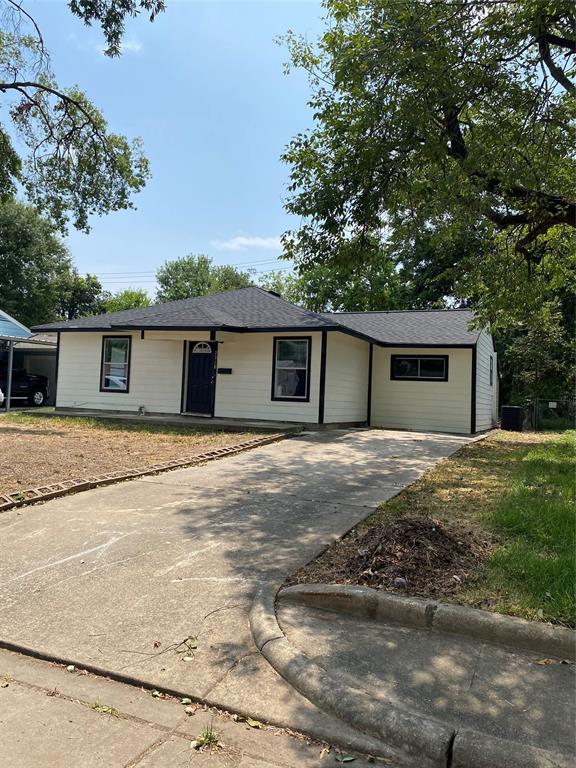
x=513 y=492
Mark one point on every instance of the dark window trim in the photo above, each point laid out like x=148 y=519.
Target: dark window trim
x=322 y=394
x=491 y=370
x=128 y=366
x=308 y=369
x=393 y=359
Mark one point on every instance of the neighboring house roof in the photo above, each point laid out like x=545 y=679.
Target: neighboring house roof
x=254 y=309
x=426 y=326
x=11 y=329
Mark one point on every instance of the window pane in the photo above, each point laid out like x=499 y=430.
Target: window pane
x=405 y=367
x=291 y=353
x=115 y=365
x=290 y=383
x=432 y=369
x=116 y=350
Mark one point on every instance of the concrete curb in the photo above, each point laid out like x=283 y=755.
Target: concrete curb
x=431 y=741
x=489 y=627
x=415 y=735
x=47 y=492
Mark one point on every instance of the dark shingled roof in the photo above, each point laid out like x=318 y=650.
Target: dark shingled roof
x=245 y=309
x=439 y=327
x=252 y=309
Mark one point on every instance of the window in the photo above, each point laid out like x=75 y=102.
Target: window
x=491 y=371
x=416 y=368
x=291 y=368
x=115 y=370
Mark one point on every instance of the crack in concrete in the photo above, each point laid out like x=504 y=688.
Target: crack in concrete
x=227 y=672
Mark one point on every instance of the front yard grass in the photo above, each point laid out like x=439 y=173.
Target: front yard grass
x=37 y=450
x=494 y=526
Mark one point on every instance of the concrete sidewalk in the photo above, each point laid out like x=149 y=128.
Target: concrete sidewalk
x=53 y=718
x=154 y=578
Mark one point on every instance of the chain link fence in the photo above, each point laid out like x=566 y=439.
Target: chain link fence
x=544 y=414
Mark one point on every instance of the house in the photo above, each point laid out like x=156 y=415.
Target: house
x=248 y=354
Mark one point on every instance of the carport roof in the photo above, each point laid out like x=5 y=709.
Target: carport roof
x=254 y=309
x=11 y=329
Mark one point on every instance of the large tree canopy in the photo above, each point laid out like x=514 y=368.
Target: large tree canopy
x=38 y=282
x=65 y=158
x=193 y=275
x=439 y=116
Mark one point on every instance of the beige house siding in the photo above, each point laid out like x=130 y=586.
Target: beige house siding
x=486 y=395
x=155 y=373
x=246 y=393
x=423 y=405
x=346 y=393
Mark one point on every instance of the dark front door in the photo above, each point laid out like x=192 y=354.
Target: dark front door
x=201 y=377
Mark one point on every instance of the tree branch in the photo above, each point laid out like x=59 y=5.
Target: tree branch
x=543 y=39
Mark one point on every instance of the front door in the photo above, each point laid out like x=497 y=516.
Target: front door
x=201 y=377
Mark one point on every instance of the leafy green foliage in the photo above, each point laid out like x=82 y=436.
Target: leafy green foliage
x=539 y=360
x=78 y=295
x=38 y=282
x=342 y=286
x=442 y=121
x=71 y=166
x=110 y=15
x=33 y=260
x=129 y=298
x=196 y=276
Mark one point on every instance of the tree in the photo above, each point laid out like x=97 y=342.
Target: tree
x=433 y=115
x=33 y=260
x=541 y=361
x=110 y=15
x=129 y=298
x=71 y=165
x=78 y=296
x=195 y=276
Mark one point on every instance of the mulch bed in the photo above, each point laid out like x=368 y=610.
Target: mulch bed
x=417 y=555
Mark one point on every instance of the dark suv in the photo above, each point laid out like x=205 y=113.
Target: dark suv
x=25 y=386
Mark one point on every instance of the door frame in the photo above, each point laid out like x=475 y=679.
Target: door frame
x=187 y=347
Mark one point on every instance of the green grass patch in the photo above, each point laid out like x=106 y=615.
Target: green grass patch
x=512 y=496
x=532 y=572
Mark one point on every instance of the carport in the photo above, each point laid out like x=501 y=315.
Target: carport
x=16 y=338
x=11 y=332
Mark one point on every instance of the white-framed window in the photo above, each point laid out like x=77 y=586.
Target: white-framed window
x=419 y=367
x=291 y=368
x=115 y=367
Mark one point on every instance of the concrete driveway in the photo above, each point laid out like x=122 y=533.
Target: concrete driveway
x=119 y=577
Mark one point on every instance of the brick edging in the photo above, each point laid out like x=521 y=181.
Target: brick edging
x=54 y=490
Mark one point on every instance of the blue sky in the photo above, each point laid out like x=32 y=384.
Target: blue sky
x=204 y=88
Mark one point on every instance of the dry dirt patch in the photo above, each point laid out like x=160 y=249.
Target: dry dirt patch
x=37 y=450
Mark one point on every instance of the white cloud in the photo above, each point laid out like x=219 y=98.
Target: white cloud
x=130 y=45
x=243 y=243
